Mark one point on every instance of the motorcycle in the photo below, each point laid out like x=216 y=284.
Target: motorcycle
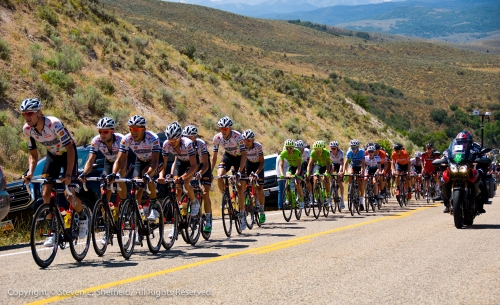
x=465 y=180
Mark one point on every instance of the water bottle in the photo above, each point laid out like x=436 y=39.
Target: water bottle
x=67 y=220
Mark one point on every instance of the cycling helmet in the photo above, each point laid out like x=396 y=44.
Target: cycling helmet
x=418 y=154
x=354 y=142
x=31 y=104
x=173 y=131
x=370 y=148
x=377 y=146
x=398 y=146
x=429 y=145
x=369 y=144
x=464 y=136
x=334 y=144
x=137 y=120
x=319 y=145
x=289 y=143
x=106 y=123
x=248 y=135
x=189 y=131
x=225 y=122
x=299 y=144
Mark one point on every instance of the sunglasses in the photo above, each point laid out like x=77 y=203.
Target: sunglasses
x=332 y=148
x=371 y=152
x=104 y=131
x=354 y=147
x=28 y=113
x=224 y=129
x=247 y=140
x=138 y=129
x=289 y=147
x=173 y=140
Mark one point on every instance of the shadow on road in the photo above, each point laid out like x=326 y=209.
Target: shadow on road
x=484 y=226
x=106 y=264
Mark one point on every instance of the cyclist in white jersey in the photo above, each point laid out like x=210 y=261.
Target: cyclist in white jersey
x=337 y=158
x=185 y=163
x=235 y=156
x=255 y=164
x=146 y=146
x=306 y=154
x=416 y=168
x=204 y=173
x=373 y=168
x=61 y=154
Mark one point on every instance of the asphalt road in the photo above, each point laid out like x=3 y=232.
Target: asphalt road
x=411 y=255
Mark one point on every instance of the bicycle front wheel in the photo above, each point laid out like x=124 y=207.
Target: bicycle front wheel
x=317 y=204
x=171 y=222
x=249 y=204
x=126 y=231
x=287 y=202
x=307 y=199
x=44 y=250
x=100 y=228
x=80 y=241
x=227 y=214
x=333 y=196
x=155 y=229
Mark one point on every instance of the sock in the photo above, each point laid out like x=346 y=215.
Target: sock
x=209 y=217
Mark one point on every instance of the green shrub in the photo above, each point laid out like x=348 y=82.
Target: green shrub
x=68 y=60
x=84 y=135
x=213 y=79
x=4 y=50
x=46 y=13
x=181 y=112
x=453 y=107
x=438 y=115
x=58 y=78
x=44 y=93
x=36 y=54
x=184 y=64
x=97 y=103
x=361 y=101
x=188 y=51
x=105 y=85
x=166 y=96
x=208 y=122
x=263 y=111
x=141 y=43
x=120 y=115
x=147 y=96
x=108 y=31
x=429 y=101
x=4 y=86
x=293 y=125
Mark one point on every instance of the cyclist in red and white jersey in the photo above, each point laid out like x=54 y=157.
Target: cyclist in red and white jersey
x=235 y=156
x=428 y=169
x=61 y=154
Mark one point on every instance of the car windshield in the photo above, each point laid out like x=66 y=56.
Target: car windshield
x=270 y=164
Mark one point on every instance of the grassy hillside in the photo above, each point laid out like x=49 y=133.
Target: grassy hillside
x=84 y=62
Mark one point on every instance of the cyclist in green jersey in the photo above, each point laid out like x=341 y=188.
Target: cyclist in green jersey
x=294 y=158
x=320 y=157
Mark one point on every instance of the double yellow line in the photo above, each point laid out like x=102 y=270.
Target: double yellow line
x=258 y=250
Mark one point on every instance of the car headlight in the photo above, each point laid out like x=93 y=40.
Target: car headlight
x=453 y=168
x=462 y=169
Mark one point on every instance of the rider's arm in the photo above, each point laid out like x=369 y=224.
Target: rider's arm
x=363 y=166
x=89 y=164
x=204 y=159
x=32 y=161
x=192 y=169
x=309 y=165
x=282 y=167
x=261 y=164
x=154 y=163
x=70 y=155
x=173 y=166
x=121 y=158
x=242 y=161
x=161 y=175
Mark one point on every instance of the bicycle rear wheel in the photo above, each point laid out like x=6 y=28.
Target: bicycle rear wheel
x=297 y=209
x=155 y=230
x=334 y=196
x=350 y=200
x=287 y=202
x=100 y=228
x=41 y=229
x=127 y=225
x=250 y=216
x=227 y=214
x=80 y=246
x=317 y=204
x=307 y=199
x=236 y=213
x=171 y=222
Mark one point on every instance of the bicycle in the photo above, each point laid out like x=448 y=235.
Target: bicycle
x=430 y=192
x=191 y=224
x=402 y=190
x=307 y=197
x=132 y=218
x=418 y=189
x=252 y=206
x=353 y=194
x=230 y=208
x=63 y=228
x=334 y=194
x=289 y=200
x=319 y=192
x=370 y=193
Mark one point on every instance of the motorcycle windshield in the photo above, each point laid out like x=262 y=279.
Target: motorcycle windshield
x=459 y=151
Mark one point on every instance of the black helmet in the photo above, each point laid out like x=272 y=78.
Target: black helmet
x=398 y=146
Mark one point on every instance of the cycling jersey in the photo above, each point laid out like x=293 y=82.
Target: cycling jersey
x=372 y=163
x=54 y=136
x=306 y=155
x=338 y=158
x=186 y=149
x=201 y=148
x=402 y=158
x=356 y=158
x=233 y=146
x=322 y=159
x=98 y=145
x=144 y=149
x=254 y=153
x=294 y=159
x=383 y=156
x=427 y=162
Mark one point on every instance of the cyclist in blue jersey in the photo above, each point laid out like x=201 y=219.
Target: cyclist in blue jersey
x=355 y=163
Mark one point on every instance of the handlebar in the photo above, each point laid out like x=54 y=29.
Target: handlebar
x=49 y=181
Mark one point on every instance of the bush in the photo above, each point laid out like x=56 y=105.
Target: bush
x=84 y=135
x=166 y=96
x=48 y=14
x=105 y=85
x=119 y=114
x=4 y=50
x=263 y=111
x=58 y=78
x=429 y=101
x=188 y=51
x=438 y=115
x=141 y=43
x=146 y=94
x=43 y=93
x=213 y=79
x=293 y=125
x=181 y=112
x=68 y=60
x=361 y=101
x=36 y=55
x=453 y=107
x=208 y=122
x=4 y=86
x=97 y=103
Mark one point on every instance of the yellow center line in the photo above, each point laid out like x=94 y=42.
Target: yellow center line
x=258 y=250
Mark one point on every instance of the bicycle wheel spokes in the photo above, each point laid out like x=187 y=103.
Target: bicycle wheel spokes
x=80 y=241
x=41 y=230
x=227 y=214
x=249 y=208
x=155 y=229
x=193 y=229
x=100 y=228
x=170 y=224
x=287 y=203
x=307 y=200
x=317 y=204
x=333 y=196
x=127 y=225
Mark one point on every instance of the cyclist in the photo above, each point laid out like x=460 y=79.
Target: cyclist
x=235 y=155
x=356 y=159
x=108 y=142
x=337 y=159
x=306 y=152
x=320 y=158
x=61 y=155
x=383 y=160
x=294 y=158
x=416 y=169
x=374 y=169
x=400 y=160
x=146 y=146
x=428 y=169
x=205 y=173
x=255 y=164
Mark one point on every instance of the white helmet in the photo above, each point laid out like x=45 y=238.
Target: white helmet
x=289 y=142
x=31 y=104
x=190 y=131
x=225 y=122
x=137 y=120
x=106 y=123
x=299 y=144
x=334 y=144
x=248 y=135
x=371 y=148
x=354 y=142
x=173 y=131
x=418 y=154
